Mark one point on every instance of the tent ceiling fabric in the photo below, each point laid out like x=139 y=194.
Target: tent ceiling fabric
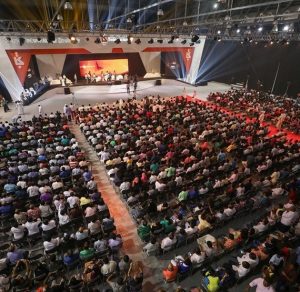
x=103 y=14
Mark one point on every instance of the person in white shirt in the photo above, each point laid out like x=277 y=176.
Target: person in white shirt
x=276 y=259
x=32 y=226
x=229 y=211
x=261 y=285
x=261 y=226
x=18 y=231
x=251 y=258
x=73 y=200
x=94 y=226
x=48 y=225
x=197 y=256
x=287 y=219
x=242 y=269
x=63 y=217
x=168 y=241
x=51 y=243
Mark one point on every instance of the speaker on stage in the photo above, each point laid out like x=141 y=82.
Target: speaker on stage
x=202 y=83
x=67 y=90
x=118 y=82
x=158 y=82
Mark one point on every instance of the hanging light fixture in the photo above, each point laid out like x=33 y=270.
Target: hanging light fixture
x=129 y=20
x=185 y=23
x=160 y=12
x=59 y=17
x=68 y=5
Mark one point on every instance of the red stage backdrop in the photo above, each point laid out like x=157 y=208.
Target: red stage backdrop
x=119 y=66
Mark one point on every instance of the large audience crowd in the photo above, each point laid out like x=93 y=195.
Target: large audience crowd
x=185 y=169
x=56 y=231
x=279 y=110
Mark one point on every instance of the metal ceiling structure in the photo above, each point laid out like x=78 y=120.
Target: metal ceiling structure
x=209 y=17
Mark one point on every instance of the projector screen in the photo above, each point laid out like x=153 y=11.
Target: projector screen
x=118 y=66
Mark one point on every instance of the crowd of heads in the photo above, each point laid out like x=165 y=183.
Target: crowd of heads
x=56 y=231
x=184 y=168
x=258 y=104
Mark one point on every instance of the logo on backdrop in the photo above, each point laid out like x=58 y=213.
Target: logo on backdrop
x=188 y=55
x=18 y=60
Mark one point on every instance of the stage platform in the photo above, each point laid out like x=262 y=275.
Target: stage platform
x=55 y=99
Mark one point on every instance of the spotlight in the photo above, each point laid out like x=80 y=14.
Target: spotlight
x=286 y=28
x=287 y=43
x=238 y=30
x=68 y=6
x=138 y=41
x=195 y=38
x=59 y=17
x=219 y=39
x=183 y=42
x=219 y=32
x=97 y=41
x=72 y=39
x=271 y=42
x=117 y=41
x=260 y=29
x=160 y=41
x=151 y=41
x=216 y=5
x=8 y=39
x=21 y=41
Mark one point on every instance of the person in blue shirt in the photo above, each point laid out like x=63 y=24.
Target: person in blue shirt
x=6 y=209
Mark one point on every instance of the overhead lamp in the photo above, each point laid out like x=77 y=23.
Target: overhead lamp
x=287 y=42
x=129 y=20
x=286 y=27
x=260 y=29
x=151 y=41
x=216 y=5
x=183 y=42
x=275 y=27
x=219 y=32
x=238 y=30
x=117 y=41
x=68 y=6
x=138 y=41
x=59 y=17
x=72 y=39
x=185 y=23
x=160 y=12
x=160 y=41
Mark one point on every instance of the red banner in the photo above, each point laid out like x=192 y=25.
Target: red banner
x=20 y=58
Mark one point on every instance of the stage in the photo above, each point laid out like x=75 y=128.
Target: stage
x=55 y=98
